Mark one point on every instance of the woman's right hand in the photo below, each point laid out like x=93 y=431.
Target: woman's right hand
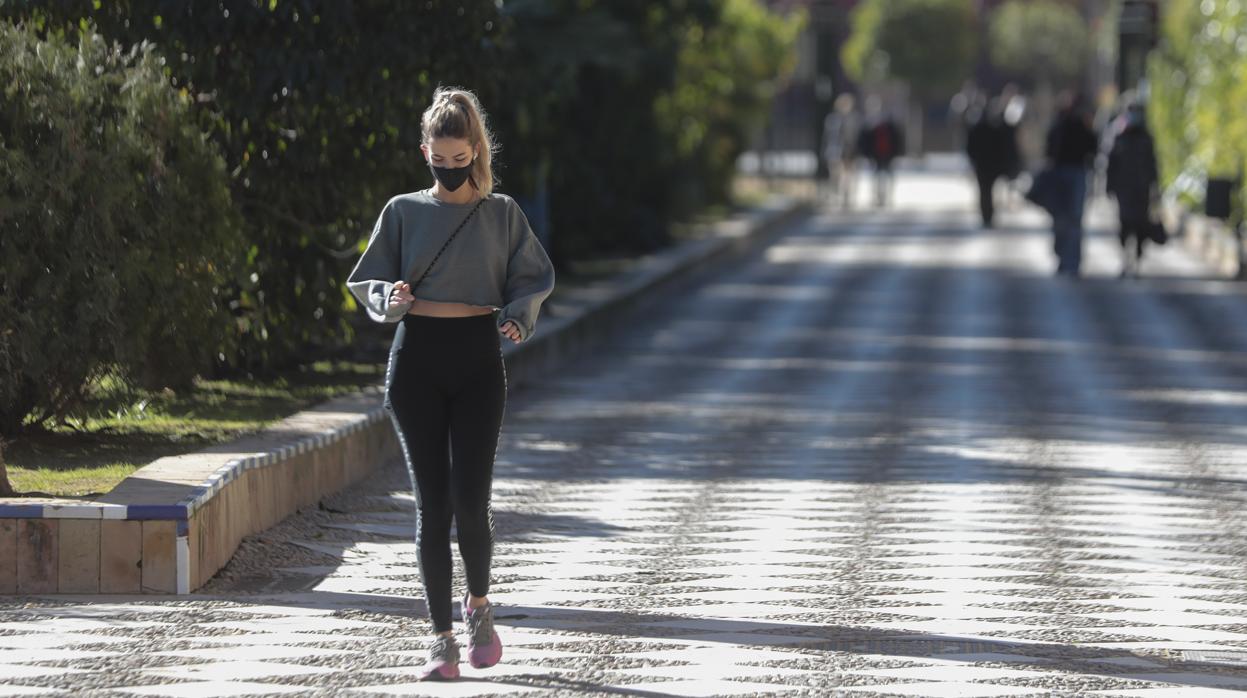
x=401 y=295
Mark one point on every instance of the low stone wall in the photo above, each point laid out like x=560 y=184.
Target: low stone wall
x=171 y=525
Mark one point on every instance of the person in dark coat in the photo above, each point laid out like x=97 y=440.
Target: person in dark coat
x=1131 y=179
x=992 y=147
x=1071 y=149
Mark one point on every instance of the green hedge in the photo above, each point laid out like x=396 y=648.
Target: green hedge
x=315 y=106
x=119 y=231
x=629 y=113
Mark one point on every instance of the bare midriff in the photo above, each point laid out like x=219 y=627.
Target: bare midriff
x=440 y=309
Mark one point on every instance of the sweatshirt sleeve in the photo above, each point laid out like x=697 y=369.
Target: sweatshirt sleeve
x=530 y=275
x=372 y=280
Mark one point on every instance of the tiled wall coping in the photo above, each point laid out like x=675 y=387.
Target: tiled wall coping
x=173 y=487
x=179 y=519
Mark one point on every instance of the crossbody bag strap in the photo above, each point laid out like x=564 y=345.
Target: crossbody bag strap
x=446 y=244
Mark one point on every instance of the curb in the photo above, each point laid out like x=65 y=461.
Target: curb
x=171 y=525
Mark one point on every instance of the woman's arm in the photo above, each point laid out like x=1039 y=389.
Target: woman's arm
x=530 y=275
x=379 y=269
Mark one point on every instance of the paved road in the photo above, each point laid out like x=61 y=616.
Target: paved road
x=890 y=455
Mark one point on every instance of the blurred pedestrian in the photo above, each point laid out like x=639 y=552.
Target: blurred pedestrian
x=880 y=142
x=840 y=149
x=1013 y=110
x=445 y=385
x=1131 y=179
x=991 y=145
x=1071 y=149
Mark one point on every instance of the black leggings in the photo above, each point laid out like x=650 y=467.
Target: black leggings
x=446 y=392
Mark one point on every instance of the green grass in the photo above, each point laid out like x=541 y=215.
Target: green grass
x=88 y=457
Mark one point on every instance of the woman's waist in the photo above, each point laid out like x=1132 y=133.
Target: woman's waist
x=447 y=309
x=456 y=326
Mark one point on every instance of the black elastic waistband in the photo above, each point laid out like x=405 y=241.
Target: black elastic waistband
x=409 y=317
x=468 y=323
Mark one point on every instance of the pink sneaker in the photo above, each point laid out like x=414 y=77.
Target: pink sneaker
x=443 y=664
x=484 y=645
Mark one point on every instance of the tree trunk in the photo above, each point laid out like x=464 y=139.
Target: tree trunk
x=6 y=490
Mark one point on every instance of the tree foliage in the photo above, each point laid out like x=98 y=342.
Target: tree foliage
x=315 y=106
x=726 y=75
x=641 y=116
x=930 y=44
x=1039 y=40
x=629 y=112
x=1198 y=79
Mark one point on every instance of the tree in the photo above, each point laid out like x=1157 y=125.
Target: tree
x=929 y=44
x=1041 y=40
x=1170 y=74
x=629 y=121
x=726 y=77
x=1198 y=78
x=6 y=489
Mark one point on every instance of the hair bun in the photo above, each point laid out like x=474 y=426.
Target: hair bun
x=445 y=97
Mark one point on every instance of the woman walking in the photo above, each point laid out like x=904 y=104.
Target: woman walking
x=455 y=266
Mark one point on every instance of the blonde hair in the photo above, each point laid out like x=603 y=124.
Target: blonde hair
x=457 y=113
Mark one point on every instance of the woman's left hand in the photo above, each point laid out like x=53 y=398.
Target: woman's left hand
x=510 y=329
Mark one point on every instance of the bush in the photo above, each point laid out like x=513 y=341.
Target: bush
x=118 y=231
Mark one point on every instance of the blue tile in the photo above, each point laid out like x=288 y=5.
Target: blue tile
x=151 y=512
x=21 y=511
x=195 y=494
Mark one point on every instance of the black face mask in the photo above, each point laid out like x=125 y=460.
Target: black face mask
x=451 y=178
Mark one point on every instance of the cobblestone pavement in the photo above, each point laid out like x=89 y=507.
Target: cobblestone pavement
x=891 y=455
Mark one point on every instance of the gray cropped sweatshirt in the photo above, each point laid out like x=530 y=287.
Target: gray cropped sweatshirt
x=495 y=261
